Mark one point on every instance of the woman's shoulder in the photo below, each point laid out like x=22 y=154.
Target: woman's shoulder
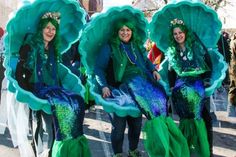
x=104 y=50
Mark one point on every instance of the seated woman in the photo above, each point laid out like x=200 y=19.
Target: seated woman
x=42 y=60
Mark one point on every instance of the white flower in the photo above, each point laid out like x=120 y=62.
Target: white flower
x=184 y=58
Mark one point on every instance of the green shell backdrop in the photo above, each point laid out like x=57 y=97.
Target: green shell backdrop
x=96 y=34
x=199 y=18
x=25 y=20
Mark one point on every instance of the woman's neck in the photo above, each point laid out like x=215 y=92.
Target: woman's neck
x=182 y=47
x=45 y=45
x=126 y=43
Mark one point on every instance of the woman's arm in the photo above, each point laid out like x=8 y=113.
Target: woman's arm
x=30 y=60
x=100 y=69
x=171 y=77
x=22 y=73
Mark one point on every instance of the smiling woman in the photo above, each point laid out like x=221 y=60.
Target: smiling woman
x=125 y=34
x=41 y=59
x=126 y=83
x=37 y=78
x=48 y=34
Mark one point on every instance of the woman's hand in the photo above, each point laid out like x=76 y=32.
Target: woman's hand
x=156 y=75
x=106 y=92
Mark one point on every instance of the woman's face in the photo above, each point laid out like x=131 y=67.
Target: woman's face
x=125 y=34
x=49 y=32
x=179 y=35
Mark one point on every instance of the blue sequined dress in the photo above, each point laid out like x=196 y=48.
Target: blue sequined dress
x=68 y=108
x=68 y=115
x=161 y=135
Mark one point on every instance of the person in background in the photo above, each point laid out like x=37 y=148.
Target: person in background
x=1 y=40
x=155 y=56
x=72 y=60
x=224 y=49
x=1 y=56
x=231 y=109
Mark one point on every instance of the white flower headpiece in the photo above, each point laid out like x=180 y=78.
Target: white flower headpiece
x=176 y=22
x=53 y=15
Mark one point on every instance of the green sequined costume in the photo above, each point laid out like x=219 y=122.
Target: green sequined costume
x=188 y=89
x=188 y=94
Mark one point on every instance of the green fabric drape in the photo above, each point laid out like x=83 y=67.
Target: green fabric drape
x=195 y=132
x=164 y=139
x=77 y=147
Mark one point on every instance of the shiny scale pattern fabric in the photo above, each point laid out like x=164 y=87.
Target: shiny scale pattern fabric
x=187 y=97
x=150 y=96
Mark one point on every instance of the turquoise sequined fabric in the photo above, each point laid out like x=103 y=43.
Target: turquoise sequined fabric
x=187 y=97
x=68 y=111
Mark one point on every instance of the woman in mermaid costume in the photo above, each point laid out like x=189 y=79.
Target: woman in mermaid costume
x=36 y=36
x=67 y=107
x=181 y=31
x=189 y=69
x=128 y=84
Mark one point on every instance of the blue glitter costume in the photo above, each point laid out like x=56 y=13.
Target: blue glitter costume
x=67 y=107
x=38 y=79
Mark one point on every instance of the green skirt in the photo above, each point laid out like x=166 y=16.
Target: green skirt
x=195 y=132
x=77 y=147
x=162 y=138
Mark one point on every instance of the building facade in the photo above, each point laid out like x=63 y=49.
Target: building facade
x=7 y=6
x=92 y=6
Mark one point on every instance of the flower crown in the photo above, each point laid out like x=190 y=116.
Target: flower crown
x=176 y=22
x=53 y=15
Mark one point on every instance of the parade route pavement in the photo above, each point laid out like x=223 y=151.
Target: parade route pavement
x=97 y=129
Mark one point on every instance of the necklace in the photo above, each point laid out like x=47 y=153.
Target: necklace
x=46 y=53
x=133 y=53
x=183 y=54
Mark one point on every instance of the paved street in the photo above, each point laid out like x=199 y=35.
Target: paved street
x=97 y=129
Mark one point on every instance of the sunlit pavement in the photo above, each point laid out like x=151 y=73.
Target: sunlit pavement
x=97 y=129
